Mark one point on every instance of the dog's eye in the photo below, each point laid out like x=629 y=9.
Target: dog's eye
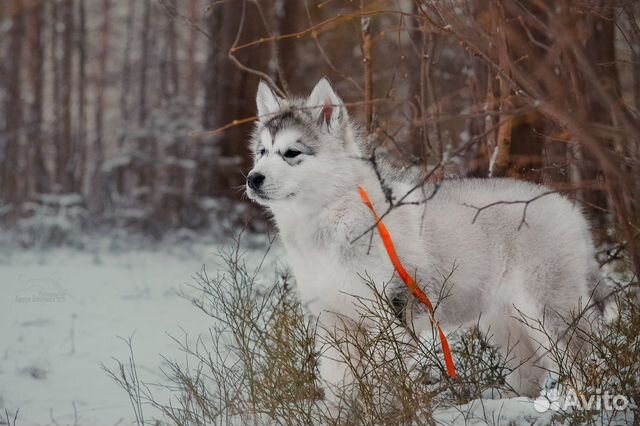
x=291 y=153
x=262 y=151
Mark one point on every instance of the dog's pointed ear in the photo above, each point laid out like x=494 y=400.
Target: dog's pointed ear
x=326 y=105
x=267 y=101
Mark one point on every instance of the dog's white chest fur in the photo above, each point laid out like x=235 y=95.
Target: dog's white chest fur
x=324 y=263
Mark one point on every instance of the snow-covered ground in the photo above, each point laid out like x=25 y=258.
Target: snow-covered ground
x=61 y=313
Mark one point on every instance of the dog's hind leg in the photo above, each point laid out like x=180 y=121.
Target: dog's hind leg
x=523 y=346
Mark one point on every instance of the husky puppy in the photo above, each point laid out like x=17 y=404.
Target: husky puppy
x=498 y=264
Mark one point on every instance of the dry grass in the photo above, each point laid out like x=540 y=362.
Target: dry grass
x=258 y=364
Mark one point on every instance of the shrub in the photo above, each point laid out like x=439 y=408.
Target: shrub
x=258 y=364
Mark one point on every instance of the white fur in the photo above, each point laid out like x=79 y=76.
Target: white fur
x=496 y=267
x=267 y=102
x=321 y=97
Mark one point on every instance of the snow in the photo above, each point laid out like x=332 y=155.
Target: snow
x=517 y=411
x=62 y=200
x=492 y=161
x=62 y=313
x=179 y=162
x=116 y=163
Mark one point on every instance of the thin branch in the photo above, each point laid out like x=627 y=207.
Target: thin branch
x=526 y=203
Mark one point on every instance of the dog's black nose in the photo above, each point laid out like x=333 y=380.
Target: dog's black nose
x=254 y=180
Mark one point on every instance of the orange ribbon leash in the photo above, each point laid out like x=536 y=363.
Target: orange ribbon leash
x=410 y=282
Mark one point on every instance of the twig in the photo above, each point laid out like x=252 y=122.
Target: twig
x=526 y=203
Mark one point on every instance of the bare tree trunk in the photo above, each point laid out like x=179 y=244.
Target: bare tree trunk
x=147 y=146
x=54 y=49
x=37 y=175
x=169 y=65
x=600 y=50
x=125 y=108
x=227 y=89
x=418 y=74
x=64 y=149
x=144 y=62
x=101 y=80
x=288 y=50
x=192 y=70
x=588 y=178
x=502 y=156
x=99 y=193
x=80 y=153
x=174 y=66
x=10 y=166
x=520 y=138
x=634 y=35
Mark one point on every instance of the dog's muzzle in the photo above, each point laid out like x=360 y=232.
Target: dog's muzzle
x=255 y=181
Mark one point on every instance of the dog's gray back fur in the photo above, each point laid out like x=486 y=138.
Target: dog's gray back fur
x=527 y=254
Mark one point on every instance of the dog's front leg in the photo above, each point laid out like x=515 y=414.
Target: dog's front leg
x=339 y=360
x=363 y=364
